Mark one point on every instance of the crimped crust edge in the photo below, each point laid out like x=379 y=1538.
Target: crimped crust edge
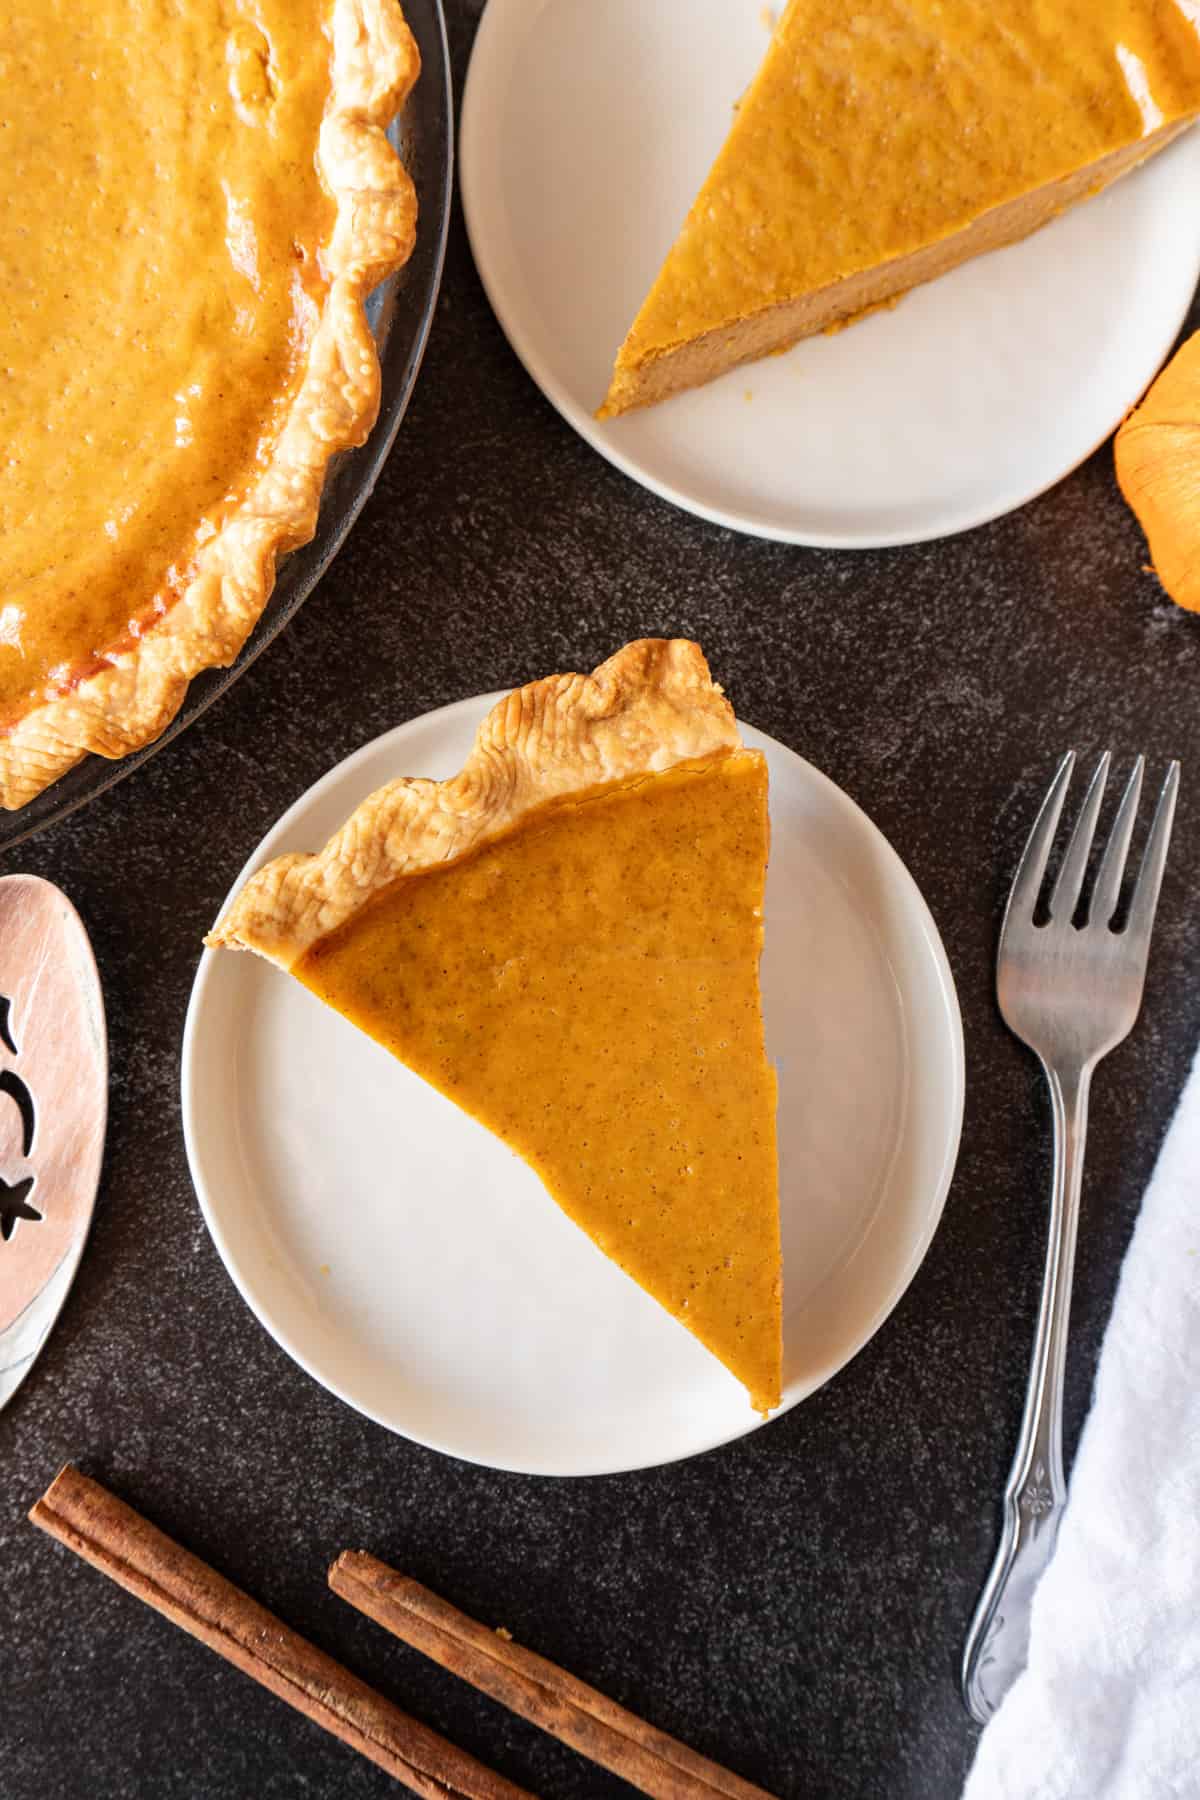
x=650 y=707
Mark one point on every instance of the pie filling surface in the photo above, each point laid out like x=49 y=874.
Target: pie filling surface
x=163 y=219
x=587 y=987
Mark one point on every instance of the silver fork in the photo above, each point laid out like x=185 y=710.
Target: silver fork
x=1071 y=993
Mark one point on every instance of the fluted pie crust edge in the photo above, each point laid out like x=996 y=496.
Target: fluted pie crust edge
x=128 y=702
x=650 y=707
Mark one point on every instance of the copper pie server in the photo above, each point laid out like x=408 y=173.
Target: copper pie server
x=53 y=1111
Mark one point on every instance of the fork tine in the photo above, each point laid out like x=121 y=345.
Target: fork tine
x=1112 y=864
x=1145 y=894
x=1065 y=897
x=1032 y=866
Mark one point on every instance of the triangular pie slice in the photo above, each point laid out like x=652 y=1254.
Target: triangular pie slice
x=564 y=939
x=884 y=143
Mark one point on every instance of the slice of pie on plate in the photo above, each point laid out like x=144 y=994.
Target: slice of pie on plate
x=564 y=938
x=882 y=144
x=197 y=199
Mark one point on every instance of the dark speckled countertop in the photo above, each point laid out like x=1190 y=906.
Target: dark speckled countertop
x=793 y=1605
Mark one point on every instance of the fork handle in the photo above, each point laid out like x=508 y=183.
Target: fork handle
x=998 y=1641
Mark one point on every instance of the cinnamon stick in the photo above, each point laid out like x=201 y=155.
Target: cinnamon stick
x=132 y=1552
x=533 y=1687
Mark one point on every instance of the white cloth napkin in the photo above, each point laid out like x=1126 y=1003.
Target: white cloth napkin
x=1109 y=1705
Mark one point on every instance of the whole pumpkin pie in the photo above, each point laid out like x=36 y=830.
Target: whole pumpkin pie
x=196 y=200
x=564 y=939
x=882 y=144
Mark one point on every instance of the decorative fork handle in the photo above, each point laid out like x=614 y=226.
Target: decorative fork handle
x=998 y=1641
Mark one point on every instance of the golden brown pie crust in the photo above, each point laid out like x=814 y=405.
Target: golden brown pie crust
x=650 y=707
x=129 y=701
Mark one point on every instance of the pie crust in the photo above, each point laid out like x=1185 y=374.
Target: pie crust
x=129 y=701
x=648 y=708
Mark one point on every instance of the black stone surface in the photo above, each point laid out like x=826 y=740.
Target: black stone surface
x=793 y=1605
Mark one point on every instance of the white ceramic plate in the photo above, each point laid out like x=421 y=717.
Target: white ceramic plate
x=587 y=128
x=417 y=1268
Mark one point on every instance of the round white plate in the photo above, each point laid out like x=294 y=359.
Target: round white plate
x=587 y=129
x=418 y=1269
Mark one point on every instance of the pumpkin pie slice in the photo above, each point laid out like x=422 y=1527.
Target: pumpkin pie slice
x=564 y=938
x=884 y=143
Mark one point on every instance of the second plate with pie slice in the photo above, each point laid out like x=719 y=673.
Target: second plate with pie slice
x=418 y=1269
x=580 y=156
